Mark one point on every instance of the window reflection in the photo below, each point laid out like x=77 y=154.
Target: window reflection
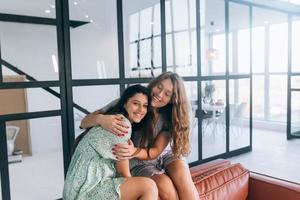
x=239 y=121
x=269 y=64
x=295 y=82
x=94 y=46
x=212 y=37
x=243 y=51
x=258 y=49
x=213 y=117
x=278 y=47
x=295 y=113
x=181 y=37
x=278 y=100
x=295 y=46
x=142 y=38
x=191 y=91
x=218 y=63
x=240 y=33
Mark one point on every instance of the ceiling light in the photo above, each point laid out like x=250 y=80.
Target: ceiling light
x=48 y=11
x=86 y=16
x=75 y=3
x=91 y=21
x=52 y=6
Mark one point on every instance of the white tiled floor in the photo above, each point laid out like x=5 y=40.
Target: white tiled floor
x=41 y=176
x=273 y=155
x=37 y=177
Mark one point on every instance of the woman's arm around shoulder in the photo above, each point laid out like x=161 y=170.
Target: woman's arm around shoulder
x=91 y=120
x=112 y=123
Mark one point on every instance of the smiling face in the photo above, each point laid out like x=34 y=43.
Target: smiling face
x=136 y=107
x=162 y=93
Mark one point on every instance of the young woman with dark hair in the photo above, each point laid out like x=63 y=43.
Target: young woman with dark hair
x=94 y=172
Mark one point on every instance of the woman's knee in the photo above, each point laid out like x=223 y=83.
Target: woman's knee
x=166 y=188
x=149 y=185
x=138 y=187
x=179 y=171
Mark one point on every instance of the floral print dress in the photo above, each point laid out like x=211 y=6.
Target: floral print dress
x=92 y=173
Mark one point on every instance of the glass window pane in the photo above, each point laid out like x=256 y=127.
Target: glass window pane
x=258 y=49
x=295 y=47
x=145 y=55
x=27 y=47
x=295 y=113
x=239 y=27
x=170 y=51
x=181 y=41
x=157 y=55
x=28 y=100
x=192 y=13
x=258 y=92
x=219 y=45
x=94 y=45
x=91 y=97
x=243 y=51
x=214 y=118
x=182 y=57
x=142 y=41
x=156 y=21
x=180 y=14
x=169 y=25
x=278 y=48
x=39 y=173
x=239 y=107
x=191 y=91
x=278 y=100
x=295 y=82
x=134 y=27
x=145 y=23
x=213 y=44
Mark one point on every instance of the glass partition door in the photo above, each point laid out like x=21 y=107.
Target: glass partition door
x=293 y=126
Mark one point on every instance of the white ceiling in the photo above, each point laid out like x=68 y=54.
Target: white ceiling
x=27 y=7
x=101 y=11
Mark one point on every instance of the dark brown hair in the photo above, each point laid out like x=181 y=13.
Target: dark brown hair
x=144 y=125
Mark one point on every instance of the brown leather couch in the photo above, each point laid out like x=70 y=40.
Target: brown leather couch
x=222 y=180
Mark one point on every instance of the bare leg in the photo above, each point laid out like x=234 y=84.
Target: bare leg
x=180 y=174
x=166 y=189
x=142 y=188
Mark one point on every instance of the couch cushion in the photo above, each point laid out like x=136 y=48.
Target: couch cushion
x=224 y=183
x=209 y=167
x=263 y=187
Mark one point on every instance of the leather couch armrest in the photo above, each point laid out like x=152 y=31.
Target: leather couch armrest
x=221 y=180
x=262 y=187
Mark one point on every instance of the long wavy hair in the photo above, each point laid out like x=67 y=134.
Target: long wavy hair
x=177 y=113
x=144 y=124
